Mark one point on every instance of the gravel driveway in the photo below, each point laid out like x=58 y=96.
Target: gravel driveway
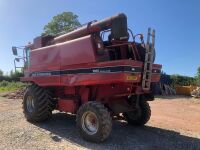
x=60 y=131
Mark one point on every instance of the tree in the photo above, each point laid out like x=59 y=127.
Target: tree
x=178 y=80
x=1 y=72
x=63 y=22
x=198 y=76
x=15 y=76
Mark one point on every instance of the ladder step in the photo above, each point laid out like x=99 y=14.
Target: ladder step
x=148 y=71
x=148 y=61
x=146 y=68
x=149 y=68
x=146 y=89
x=149 y=52
x=148 y=80
x=147 y=74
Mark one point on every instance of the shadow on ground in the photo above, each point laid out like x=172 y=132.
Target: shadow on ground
x=123 y=136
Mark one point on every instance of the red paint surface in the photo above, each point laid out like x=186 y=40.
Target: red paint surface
x=67 y=105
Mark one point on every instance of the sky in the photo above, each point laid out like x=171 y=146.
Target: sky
x=177 y=25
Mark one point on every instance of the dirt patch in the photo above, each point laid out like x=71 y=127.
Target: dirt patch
x=18 y=94
x=177 y=113
x=174 y=124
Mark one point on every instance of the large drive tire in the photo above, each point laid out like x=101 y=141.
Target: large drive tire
x=37 y=104
x=94 y=122
x=140 y=116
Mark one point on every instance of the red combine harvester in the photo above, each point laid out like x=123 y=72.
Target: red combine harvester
x=97 y=78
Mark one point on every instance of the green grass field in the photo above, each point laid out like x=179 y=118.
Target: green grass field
x=6 y=86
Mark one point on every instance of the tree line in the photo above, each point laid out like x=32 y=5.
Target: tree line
x=12 y=76
x=180 y=80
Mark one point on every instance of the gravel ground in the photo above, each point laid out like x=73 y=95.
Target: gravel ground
x=162 y=132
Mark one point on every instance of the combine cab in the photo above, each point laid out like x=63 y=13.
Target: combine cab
x=98 y=72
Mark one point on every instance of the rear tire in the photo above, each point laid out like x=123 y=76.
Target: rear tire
x=37 y=104
x=94 y=122
x=140 y=116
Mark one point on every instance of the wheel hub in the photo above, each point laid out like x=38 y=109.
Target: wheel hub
x=90 y=122
x=30 y=104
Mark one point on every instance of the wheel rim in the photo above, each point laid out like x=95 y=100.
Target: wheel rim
x=30 y=104
x=90 y=123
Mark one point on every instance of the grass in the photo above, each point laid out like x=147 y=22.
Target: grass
x=6 y=86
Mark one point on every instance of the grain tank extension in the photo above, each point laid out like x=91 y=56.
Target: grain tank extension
x=97 y=71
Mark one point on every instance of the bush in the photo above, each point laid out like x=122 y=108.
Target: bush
x=4 y=83
x=11 y=86
x=178 y=80
x=198 y=76
x=14 y=76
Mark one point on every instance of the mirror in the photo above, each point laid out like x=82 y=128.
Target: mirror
x=14 y=49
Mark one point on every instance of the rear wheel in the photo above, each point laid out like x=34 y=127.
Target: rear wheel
x=94 y=122
x=140 y=115
x=37 y=104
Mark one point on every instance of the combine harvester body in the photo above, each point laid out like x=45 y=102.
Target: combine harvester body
x=95 y=78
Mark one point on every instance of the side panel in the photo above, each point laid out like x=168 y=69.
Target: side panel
x=156 y=70
x=78 y=51
x=99 y=78
x=95 y=73
x=67 y=105
x=107 y=73
x=45 y=59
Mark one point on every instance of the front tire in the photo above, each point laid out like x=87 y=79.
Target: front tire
x=140 y=115
x=94 y=122
x=37 y=104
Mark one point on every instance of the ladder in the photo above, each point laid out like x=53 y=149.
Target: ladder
x=149 y=54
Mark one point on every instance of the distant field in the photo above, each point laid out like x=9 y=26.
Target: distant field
x=6 y=86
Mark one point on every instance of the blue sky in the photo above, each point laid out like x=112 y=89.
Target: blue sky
x=177 y=24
